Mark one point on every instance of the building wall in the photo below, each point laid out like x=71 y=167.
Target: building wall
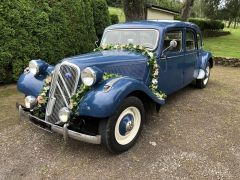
x=157 y=14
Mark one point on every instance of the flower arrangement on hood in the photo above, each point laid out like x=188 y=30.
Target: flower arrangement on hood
x=82 y=90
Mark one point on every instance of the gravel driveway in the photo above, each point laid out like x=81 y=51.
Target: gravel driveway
x=196 y=135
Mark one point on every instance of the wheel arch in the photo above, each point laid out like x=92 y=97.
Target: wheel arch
x=210 y=60
x=100 y=104
x=150 y=106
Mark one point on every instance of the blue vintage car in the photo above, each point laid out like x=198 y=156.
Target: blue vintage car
x=104 y=97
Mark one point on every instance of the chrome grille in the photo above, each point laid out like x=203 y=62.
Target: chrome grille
x=64 y=85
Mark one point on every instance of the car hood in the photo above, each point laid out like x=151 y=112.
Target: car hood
x=124 y=63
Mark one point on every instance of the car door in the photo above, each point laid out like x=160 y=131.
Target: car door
x=171 y=62
x=191 y=55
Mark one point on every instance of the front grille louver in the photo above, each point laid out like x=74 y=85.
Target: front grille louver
x=64 y=85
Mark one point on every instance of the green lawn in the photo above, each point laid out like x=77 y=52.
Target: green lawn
x=119 y=12
x=224 y=46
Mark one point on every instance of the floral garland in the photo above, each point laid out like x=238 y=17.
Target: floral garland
x=82 y=90
x=152 y=62
x=42 y=99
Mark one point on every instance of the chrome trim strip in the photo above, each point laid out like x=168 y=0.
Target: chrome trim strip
x=108 y=86
x=64 y=84
x=78 y=136
x=173 y=57
x=51 y=103
x=59 y=87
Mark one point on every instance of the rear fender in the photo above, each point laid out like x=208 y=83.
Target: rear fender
x=205 y=57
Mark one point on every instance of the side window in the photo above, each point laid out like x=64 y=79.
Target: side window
x=190 y=41
x=173 y=35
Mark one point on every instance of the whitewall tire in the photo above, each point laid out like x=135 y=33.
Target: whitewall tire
x=120 y=131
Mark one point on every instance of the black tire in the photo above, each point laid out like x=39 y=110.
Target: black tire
x=202 y=83
x=107 y=126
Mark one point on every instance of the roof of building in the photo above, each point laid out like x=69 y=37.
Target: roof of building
x=159 y=8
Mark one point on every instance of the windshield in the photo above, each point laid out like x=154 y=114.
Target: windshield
x=147 y=38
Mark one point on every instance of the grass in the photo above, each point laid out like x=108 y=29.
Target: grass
x=119 y=12
x=224 y=46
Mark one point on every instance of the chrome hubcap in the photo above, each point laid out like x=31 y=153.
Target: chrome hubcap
x=126 y=124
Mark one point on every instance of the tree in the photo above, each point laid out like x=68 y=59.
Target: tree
x=211 y=9
x=134 y=9
x=101 y=16
x=187 y=8
x=233 y=13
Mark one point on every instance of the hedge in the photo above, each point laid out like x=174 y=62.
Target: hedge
x=208 y=24
x=101 y=16
x=114 y=18
x=50 y=30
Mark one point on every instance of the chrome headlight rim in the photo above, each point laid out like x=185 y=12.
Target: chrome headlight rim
x=91 y=72
x=30 y=102
x=34 y=67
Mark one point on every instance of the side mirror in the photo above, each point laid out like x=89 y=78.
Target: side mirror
x=173 y=43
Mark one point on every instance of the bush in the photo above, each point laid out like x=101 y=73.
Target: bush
x=101 y=16
x=114 y=18
x=208 y=24
x=50 y=30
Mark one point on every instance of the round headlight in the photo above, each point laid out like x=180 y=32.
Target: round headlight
x=88 y=76
x=30 y=102
x=33 y=67
x=64 y=114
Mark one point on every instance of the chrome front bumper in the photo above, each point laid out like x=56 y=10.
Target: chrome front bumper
x=58 y=129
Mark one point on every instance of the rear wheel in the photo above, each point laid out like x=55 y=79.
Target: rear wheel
x=202 y=83
x=120 y=131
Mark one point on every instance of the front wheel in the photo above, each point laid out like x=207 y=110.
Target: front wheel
x=202 y=83
x=120 y=131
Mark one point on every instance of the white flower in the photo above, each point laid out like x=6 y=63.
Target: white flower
x=150 y=54
x=156 y=73
x=141 y=47
x=155 y=65
x=154 y=81
x=135 y=46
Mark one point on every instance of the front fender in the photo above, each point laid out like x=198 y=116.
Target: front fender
x=31 y=85
x=100 y=104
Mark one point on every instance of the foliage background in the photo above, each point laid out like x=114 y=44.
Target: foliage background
x=50 y=30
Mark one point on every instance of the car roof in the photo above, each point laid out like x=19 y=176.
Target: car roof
x=156 y=24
